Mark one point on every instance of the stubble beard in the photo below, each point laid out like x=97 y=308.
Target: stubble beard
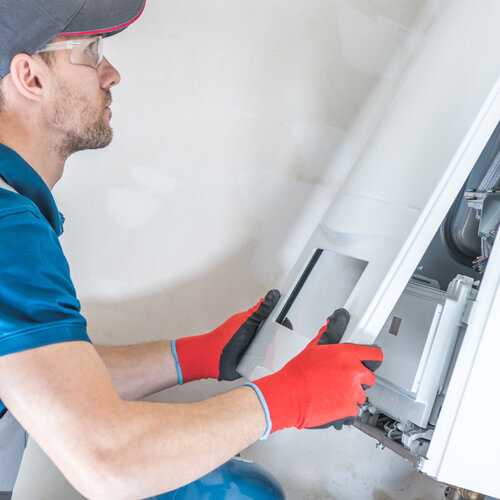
x=90 y=128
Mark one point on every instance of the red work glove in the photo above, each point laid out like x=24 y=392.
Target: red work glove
x=216 y=354
x=324 y=384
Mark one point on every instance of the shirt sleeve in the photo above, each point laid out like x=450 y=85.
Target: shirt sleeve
x=38 y=303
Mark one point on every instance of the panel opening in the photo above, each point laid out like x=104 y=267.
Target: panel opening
x=325 y=285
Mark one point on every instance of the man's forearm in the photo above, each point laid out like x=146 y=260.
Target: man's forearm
x=169 y=445
x=140 y=370
x=114 y=449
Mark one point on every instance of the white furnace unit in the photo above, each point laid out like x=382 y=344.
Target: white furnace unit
x=408 y=248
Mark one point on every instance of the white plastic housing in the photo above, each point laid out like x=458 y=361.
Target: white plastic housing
x=386 y=215
x=405 y=181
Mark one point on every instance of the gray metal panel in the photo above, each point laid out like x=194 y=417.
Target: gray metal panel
x=417 y=309
x=418 y=350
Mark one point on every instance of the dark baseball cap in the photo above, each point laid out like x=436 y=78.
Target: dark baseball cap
x=27 y=25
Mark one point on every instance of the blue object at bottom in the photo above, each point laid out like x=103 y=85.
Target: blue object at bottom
x=235 y=480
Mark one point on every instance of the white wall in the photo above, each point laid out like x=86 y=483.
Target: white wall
x=235 y=123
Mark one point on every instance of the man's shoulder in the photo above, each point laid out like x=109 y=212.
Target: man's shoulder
x=12 y=203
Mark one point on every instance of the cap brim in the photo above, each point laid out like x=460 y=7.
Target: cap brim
x=106 y=17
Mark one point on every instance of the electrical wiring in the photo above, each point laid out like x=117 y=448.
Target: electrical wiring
x=479 y=264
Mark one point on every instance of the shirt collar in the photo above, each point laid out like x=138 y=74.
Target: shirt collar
x=18 y=174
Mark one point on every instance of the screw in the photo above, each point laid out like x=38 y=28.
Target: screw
x=380 y=446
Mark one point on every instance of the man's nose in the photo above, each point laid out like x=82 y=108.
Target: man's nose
x=108 y=74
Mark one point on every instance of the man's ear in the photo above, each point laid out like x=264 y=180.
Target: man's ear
x=27 y=77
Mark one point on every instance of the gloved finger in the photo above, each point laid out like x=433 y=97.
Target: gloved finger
x=315 y=340
x=264 y=307
x=337 y=424
x=368 y=353
x=360 y=397
x=336 y=326
x=254 y=316
x=367 y=378
x=334 y=329
x=239 y=342
x=248 y=328
x=372 y=365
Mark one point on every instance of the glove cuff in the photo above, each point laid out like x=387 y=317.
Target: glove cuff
x=263 y=402
x=180 y=380
x=283 y=411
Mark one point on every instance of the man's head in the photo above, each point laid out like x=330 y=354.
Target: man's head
x=52 y=69
x=67 y=86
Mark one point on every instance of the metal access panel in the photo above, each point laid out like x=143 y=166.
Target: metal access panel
x=418 y=340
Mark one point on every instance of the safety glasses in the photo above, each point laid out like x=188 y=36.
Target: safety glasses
x=85 y=51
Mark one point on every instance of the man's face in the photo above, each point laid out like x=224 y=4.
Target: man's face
x=79 y=100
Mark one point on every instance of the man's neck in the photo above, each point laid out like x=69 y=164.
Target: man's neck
x=36 y=150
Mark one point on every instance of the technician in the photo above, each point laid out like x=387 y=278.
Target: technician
x=78 y=400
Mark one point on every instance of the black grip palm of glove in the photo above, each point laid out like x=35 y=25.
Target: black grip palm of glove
x=337 y=324
x=236 y=347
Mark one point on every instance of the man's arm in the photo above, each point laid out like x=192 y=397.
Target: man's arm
x=63 y=395
x=140 y=370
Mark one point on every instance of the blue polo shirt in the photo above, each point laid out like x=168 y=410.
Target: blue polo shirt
x=38 y=304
